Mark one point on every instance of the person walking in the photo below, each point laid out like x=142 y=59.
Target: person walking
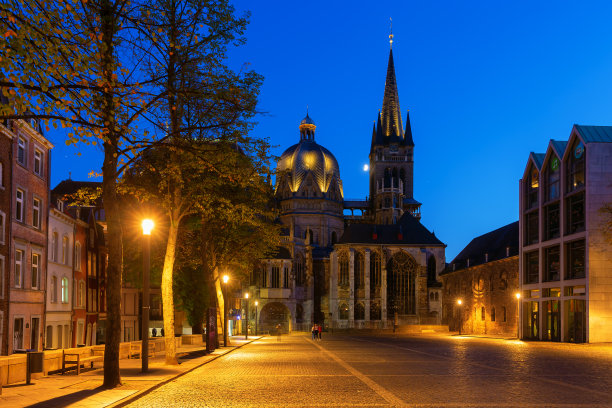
x=314 y=331
x=320 y=331
x=278 y=332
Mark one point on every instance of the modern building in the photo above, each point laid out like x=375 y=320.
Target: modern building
x=481 y=283
x=565 y=258
x=351 y=271
x=6 y=158
x=28 y=254
x=60 y=279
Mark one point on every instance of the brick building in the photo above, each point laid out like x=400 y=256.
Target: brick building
x=565 y=258
x=484 y=278
x=6 y=144
x=29 y=220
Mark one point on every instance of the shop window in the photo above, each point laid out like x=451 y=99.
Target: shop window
x=552 y=263
x=551 y=221
x=575 y=166
x=575 y=253
x=531 y=228
x=575 y=213
x=531 y=274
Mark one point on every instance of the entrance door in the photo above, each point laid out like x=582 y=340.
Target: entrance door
x=34 y=332
x=553 y=321
x=577 y=321
x=531 y=321
x=18 y=334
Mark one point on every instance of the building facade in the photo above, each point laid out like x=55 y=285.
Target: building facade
x=565 y=256
x=29 y=220
x=6 y=157
x=481 y=284
x=60 y=280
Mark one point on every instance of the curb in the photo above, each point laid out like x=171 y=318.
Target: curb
x=137 y=395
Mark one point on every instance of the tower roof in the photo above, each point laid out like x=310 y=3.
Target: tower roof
x=391 y=116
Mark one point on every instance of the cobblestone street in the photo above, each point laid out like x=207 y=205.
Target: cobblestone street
x=403 y=371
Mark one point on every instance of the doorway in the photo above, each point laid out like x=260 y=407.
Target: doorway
x=553 y=320
x=34 y=332
x=18 y=333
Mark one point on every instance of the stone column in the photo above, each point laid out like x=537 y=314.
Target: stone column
x=383 y=288
x=351 y=299
x=333 y=288
x=366 y=267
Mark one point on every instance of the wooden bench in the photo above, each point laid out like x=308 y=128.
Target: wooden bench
x=136 y=349
x=95 y=353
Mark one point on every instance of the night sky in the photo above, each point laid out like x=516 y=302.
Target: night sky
x=485 y=82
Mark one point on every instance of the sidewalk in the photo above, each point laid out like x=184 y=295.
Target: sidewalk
x=71 y=390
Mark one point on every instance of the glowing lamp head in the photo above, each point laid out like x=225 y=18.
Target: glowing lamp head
x=225 y=278
x=518 y=295
x=147 y=226
x=246 y=295
x=366 y=167
x=256 y=303
x=459 y=301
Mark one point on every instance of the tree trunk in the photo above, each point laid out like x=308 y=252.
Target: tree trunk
x=220 y=298
x=166 y=288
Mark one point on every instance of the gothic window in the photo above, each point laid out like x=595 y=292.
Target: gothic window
x=343 y=264
x=375 y=311
x=343 y=311
x=308 y=236
x=375 y=278
x=401 y=284
x=482 y=313
x=264 y=277
x=394 y=178
x=286 y=277
x=503 y=281
x=387 y=178
x=387 y=202
x=358 y=270
x=275 y=277
x=298 y=266
x=359 y=311
x=402 y=176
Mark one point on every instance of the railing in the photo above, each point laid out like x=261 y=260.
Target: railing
x=395 y=158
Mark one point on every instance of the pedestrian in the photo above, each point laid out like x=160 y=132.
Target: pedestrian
x=314 y=331
x=320 y=330
x=154 y=332
x=278 y=332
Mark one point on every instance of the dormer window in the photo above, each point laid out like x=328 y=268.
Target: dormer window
x=60 y=205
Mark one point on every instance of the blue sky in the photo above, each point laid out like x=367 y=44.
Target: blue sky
x=486 y=83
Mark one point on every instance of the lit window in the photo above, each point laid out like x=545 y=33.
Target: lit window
x=21 y=151
x=38 y=162
x=53 y=291
x=65 y=250
x=35 y=271
x=19 y=207
x=64 y=290
x=18 y=268
x=36 y=213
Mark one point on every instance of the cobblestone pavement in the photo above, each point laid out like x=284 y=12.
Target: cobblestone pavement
x=402 y=371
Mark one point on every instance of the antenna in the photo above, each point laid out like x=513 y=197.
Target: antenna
x=390 y=32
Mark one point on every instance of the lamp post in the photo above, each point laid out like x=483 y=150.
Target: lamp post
x=518 y=314
x=256 y=304
x=147 y=227
x=225 y=280
x=246 y=332
x=459 y=303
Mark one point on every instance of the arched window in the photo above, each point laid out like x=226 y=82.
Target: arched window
x=375 y=311
x=358 y=270
x=401 y=284
x=64 y=290
x=431 y=269
x=54 y=248
x=503 y=313
x=492 y=314
x=394 y=178
x=343 y=266
x=402 y=176
x=65 y=253
x=503 y=281
x=374 y=271
x=77 y=256
x=359 y=311
x=482 y=314
x=343 y=311
x=53 y=289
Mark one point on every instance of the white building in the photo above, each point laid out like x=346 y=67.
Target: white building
x=59 y=280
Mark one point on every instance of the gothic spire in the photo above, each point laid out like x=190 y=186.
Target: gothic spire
x=408 y=133
x=391 y=116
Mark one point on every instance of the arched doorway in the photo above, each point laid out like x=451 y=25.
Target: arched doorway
x=272 y=314
x=401 y=284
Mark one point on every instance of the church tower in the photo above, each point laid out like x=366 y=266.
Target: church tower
x=391 y=158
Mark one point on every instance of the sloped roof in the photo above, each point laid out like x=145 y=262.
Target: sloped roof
x=595 y=134
x=493 y=243
x=538 y=159
x=281 y=253
x=559 y=146
x=412 y=233
x=72 y=186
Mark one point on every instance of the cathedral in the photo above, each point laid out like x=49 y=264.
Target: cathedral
x=373 y=270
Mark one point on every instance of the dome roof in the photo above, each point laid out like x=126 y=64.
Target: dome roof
x=307 y=121
x=308 y=156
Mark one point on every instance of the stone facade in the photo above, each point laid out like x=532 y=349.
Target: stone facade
x=565 y=257
x=488 y=298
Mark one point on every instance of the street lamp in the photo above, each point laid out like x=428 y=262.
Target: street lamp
x=246 y=335
x=225 y=280
x=147 y=227
x=256 y=304
x=518 y=314
x=459 y=303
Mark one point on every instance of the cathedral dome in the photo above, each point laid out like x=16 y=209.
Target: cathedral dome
x=306 y=157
